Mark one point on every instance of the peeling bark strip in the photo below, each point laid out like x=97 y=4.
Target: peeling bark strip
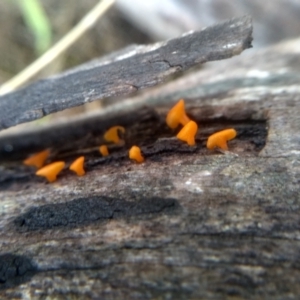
x=87 y=210
x=142 y=67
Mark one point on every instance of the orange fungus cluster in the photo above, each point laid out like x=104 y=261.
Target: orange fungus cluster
x=103 y=150
x=77 y=166
x=37 y=160
x=51 y=171
x=219 y=139
x=188 y=132
x=135 y=154
x=175 y=117
x=112 y=134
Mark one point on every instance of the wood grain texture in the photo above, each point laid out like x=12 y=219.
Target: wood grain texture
x=188 y=223
x=125 y=72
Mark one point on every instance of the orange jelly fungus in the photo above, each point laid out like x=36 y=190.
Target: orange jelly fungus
x=37 y=159
x=219 y=139
x=51 y=171
x=103 y=150
x=177 y=115
x=77 y=166
x=111 y=135
x=188 y=132
x=135 y=153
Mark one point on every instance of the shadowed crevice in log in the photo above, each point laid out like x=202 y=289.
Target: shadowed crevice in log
x=15 y=270
x=251 y=139
x=144 y=126
x=149 y=132
x=84 y=211
x=145 y=133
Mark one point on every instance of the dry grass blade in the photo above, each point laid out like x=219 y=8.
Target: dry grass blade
x=69 y=39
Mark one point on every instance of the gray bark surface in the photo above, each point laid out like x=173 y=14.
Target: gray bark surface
x=188 y=223
x=125 y=72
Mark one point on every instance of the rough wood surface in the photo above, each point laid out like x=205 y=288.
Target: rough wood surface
x=188 y=223
x=125 y=72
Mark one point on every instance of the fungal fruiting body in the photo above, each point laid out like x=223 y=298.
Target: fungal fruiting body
x=219 y=139
x=135 y=154
x=177 y=115
x=103 y=150
x=188 y=132
x=111 y=135
x=77 y=166
x=37 y=159
x=51 y=171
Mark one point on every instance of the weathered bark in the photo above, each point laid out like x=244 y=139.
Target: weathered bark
x=125 y=72
x=188 y=223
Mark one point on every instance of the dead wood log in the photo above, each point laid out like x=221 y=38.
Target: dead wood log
x=188 y=223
